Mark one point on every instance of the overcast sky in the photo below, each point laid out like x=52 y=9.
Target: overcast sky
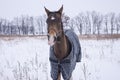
x=13 y=8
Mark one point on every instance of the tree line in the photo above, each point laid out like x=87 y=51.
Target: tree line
x=96 y=23
x=83 y=23
x=24 y=25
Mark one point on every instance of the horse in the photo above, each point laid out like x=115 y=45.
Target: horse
x=61 y=47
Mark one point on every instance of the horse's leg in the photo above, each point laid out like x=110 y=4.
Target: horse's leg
x=71 y=78
x=59 y=76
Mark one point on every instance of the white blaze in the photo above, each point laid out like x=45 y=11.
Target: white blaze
x=51 y=40
x=52 y=18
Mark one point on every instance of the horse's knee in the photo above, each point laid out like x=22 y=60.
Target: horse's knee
x=59 y=76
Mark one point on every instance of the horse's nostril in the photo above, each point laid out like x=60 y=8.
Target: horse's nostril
x=55 y=38
x=48 y=36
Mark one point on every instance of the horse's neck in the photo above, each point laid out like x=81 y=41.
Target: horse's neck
x=61 y=47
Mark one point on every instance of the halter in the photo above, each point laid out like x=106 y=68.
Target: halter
x=57 y=37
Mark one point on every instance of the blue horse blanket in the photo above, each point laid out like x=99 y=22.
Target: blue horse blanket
x=67 y=65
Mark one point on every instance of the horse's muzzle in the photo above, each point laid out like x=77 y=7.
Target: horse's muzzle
x=51 y=39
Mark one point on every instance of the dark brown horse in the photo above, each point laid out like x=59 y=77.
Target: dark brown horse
x=57 y=37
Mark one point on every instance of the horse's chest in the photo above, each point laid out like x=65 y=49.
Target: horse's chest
x=60 y=52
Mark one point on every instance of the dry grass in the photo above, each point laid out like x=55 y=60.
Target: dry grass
x=12 y=37
x=100 y=37
x=83 y=37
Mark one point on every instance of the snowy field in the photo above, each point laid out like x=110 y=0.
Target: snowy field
x=28 y=59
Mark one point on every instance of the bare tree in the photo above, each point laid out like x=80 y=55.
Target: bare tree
x=118 y=23
x=32 y=29
x=79 y=22
x=99 y=23
x=5 y=27
x=112 y=21
x=17 y=24
x=94 y=21
x=24 y=25
x=106 y=24
x=97 y=20
x=87 y=23
x=0 y=26
x=41 y=24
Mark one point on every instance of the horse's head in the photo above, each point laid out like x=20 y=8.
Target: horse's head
x=54 y=23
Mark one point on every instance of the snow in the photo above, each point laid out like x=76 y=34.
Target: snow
x=27 y=58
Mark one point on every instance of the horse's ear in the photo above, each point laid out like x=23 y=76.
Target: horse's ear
x=60 y=10
x=47 y=11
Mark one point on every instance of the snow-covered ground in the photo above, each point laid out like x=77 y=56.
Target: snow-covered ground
x=28 y=59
